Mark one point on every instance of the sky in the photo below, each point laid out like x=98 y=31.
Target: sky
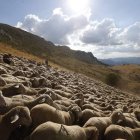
x=107 y=28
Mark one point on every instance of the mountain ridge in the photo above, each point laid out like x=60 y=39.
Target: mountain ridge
x=31 y=43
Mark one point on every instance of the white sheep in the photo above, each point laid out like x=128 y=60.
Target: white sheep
x=87 y=114
x=18 y=116
x=115 y=131
x=130 y=121
x=16 y=89
x=7 y=103
x=137 y=114
x=101 y=123
x=43 y=112
x=2 y=82
x=55 y=131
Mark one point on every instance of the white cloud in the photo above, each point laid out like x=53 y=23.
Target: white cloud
x=103 y=38
x=131 y=34
x=29 y=23
x=101 y=33
x=56 y=28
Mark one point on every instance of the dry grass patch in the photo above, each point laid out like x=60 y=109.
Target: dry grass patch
x=4 y=48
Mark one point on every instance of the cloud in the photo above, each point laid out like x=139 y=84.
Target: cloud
x=101 y=33
x=29 y=23
x=131 y=34
x=81 y=32
x=56 y=28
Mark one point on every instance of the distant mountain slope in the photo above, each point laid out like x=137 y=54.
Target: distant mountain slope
x=121 y=61
x=36 y=45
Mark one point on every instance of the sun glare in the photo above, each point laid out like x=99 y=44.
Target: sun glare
x=78 y=6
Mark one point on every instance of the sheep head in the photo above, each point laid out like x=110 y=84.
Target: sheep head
x=76 y=111
x=18 y=116
x=45 y=99
x=79 y=102
x=117 y=116
x=21 y=88
x=78 y=96
x=2 y=100
x=92 y=133
x=137 y=114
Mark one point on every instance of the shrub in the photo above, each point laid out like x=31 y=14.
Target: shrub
x=112 y=79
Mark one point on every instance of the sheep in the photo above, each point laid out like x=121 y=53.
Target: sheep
x=90 y=106
x=19 y=73
x=22 y=97
x=16 y=89
x=55 y=131
x=52 y=94
x=137 y=114
x=11 y=79
x=2 y=71
x=68 y=102
x=63 y=93
x=63 y=88
x=27 y=91
x=2 y=82
x=87 y=114
x=40 y=82
x=18 y=116
x=77 y=96
x=11 y=90
x=43 y=112
x=7 y=58
x=115 y=131
x=108 y=107
x=101 y=123
x=9 y=103
x=130 y=121
x=1 y=61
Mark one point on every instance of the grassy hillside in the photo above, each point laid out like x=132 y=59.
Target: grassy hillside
x=131 y=77
x=4 y=48
x=38 y=46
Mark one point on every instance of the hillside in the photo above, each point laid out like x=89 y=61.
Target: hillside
x=131 y=77
x=21 y=43
x=38 y=46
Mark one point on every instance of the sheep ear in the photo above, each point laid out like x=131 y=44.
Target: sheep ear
x=14 y=118
x=2 y=100
x=42 y=100
x=16 y=86
x=70 y=107
x=50 y=94
x=119 y=113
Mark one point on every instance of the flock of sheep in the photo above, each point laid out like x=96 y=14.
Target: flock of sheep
x=38 y=102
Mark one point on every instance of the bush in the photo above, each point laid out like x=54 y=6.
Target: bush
x=112 y=79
